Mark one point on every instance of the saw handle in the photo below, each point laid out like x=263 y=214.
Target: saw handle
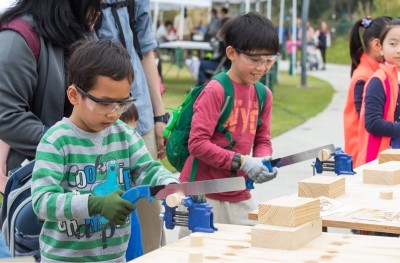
x=136 y=193
x=250 y=183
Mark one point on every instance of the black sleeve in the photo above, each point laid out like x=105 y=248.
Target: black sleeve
x=375 y=99
x=358 y=95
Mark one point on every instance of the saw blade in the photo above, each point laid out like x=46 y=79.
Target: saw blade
x=300 y=157
x=199 y=187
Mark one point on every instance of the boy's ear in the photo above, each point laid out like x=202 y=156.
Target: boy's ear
x=231 y=53
x=73 y=95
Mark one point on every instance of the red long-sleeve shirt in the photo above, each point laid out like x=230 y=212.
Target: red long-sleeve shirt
x=208 y=145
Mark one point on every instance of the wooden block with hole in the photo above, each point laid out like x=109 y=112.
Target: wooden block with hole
x=316 y=186
x=386 y=173
x=289 y=238
x=289 y=211
x=389 y=155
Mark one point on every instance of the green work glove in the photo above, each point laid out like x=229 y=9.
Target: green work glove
x=111 y=206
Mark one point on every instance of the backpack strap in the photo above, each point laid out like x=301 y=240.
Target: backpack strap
x=226 y=110
x=26 y=30
x=130 y=5
x=262 y=97
x=132 y=23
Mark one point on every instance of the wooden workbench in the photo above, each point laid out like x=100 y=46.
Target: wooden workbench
x=360 y=195
x=231 y=243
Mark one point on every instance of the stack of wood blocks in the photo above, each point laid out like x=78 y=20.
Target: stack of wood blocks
x=387 y=173
x=287 y=222
x=316 y=186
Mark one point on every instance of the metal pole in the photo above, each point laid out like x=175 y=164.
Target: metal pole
x=294 y=39
x=304 y=19
x=269 y=7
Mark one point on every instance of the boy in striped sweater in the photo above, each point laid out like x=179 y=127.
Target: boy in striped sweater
x=86 y=161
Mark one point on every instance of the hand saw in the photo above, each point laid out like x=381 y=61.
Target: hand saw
x=291 y=159
x=191 y=188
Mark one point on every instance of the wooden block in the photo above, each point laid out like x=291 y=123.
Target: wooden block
x=316 y=186
x=174 y=200
x=195 y=257
x=386 y=194
x=289 y=238
x=324 y=154
x=389 y=155
x=386 y=173
x=289 y=211
x=196 y=240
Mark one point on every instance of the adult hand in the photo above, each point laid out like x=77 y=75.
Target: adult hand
x=161 y=140
x=111 y=206
x=254 y=168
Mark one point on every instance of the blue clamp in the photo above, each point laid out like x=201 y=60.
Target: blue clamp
x=198 y=217
x=342 y=163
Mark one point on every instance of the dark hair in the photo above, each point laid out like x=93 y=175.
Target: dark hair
x=390 y=25
x=168 y=23
x=130 y=115
x=368 y=29
x=224 y=10
x=61 y=22
x=90 y=60
x=214 y=11
x=250 y=31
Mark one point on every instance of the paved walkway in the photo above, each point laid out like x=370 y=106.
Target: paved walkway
x=325 y=128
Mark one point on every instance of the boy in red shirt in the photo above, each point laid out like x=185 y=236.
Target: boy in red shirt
x=252 y=46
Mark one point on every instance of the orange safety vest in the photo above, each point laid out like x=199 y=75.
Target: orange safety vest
x=369 y=144
x=364 y=71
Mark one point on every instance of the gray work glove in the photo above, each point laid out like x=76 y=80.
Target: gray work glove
x=254 y=168
x=265 y=177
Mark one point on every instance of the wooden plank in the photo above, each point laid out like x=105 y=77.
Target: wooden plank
x=316 y=186
x=389 y=155
x=232 y=243
x=280 y=237
x=386 y=173
x=289 y=211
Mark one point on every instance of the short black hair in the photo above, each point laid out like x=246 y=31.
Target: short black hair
x=130 y=115
x=92 y=59
x=250 y=31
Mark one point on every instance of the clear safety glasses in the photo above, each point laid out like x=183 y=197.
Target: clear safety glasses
x=106 y=106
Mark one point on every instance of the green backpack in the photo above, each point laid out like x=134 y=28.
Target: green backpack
x=178 y=128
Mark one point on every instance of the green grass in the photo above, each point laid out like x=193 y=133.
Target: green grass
x=338 y=53
x=292 y=104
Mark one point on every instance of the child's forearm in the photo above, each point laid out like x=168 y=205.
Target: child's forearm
x=4 y=150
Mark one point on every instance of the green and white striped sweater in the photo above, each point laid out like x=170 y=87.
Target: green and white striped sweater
x=70 y=165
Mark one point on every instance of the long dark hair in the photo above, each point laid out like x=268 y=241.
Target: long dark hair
x=363 y=31
x=61 y=22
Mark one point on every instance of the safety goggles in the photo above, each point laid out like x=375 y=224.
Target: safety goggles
x=106 y=106
x=256 y=59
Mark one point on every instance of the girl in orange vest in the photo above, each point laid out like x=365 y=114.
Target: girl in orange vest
x=379 y=128
x=365 y=52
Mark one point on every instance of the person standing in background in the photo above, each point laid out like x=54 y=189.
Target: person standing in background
x=213 y=26
x=224 y=15
x=323 y=40
x=187 y=26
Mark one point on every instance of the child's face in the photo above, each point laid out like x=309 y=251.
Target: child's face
x=100 y=107
x=249 y=66
x=391 y=46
